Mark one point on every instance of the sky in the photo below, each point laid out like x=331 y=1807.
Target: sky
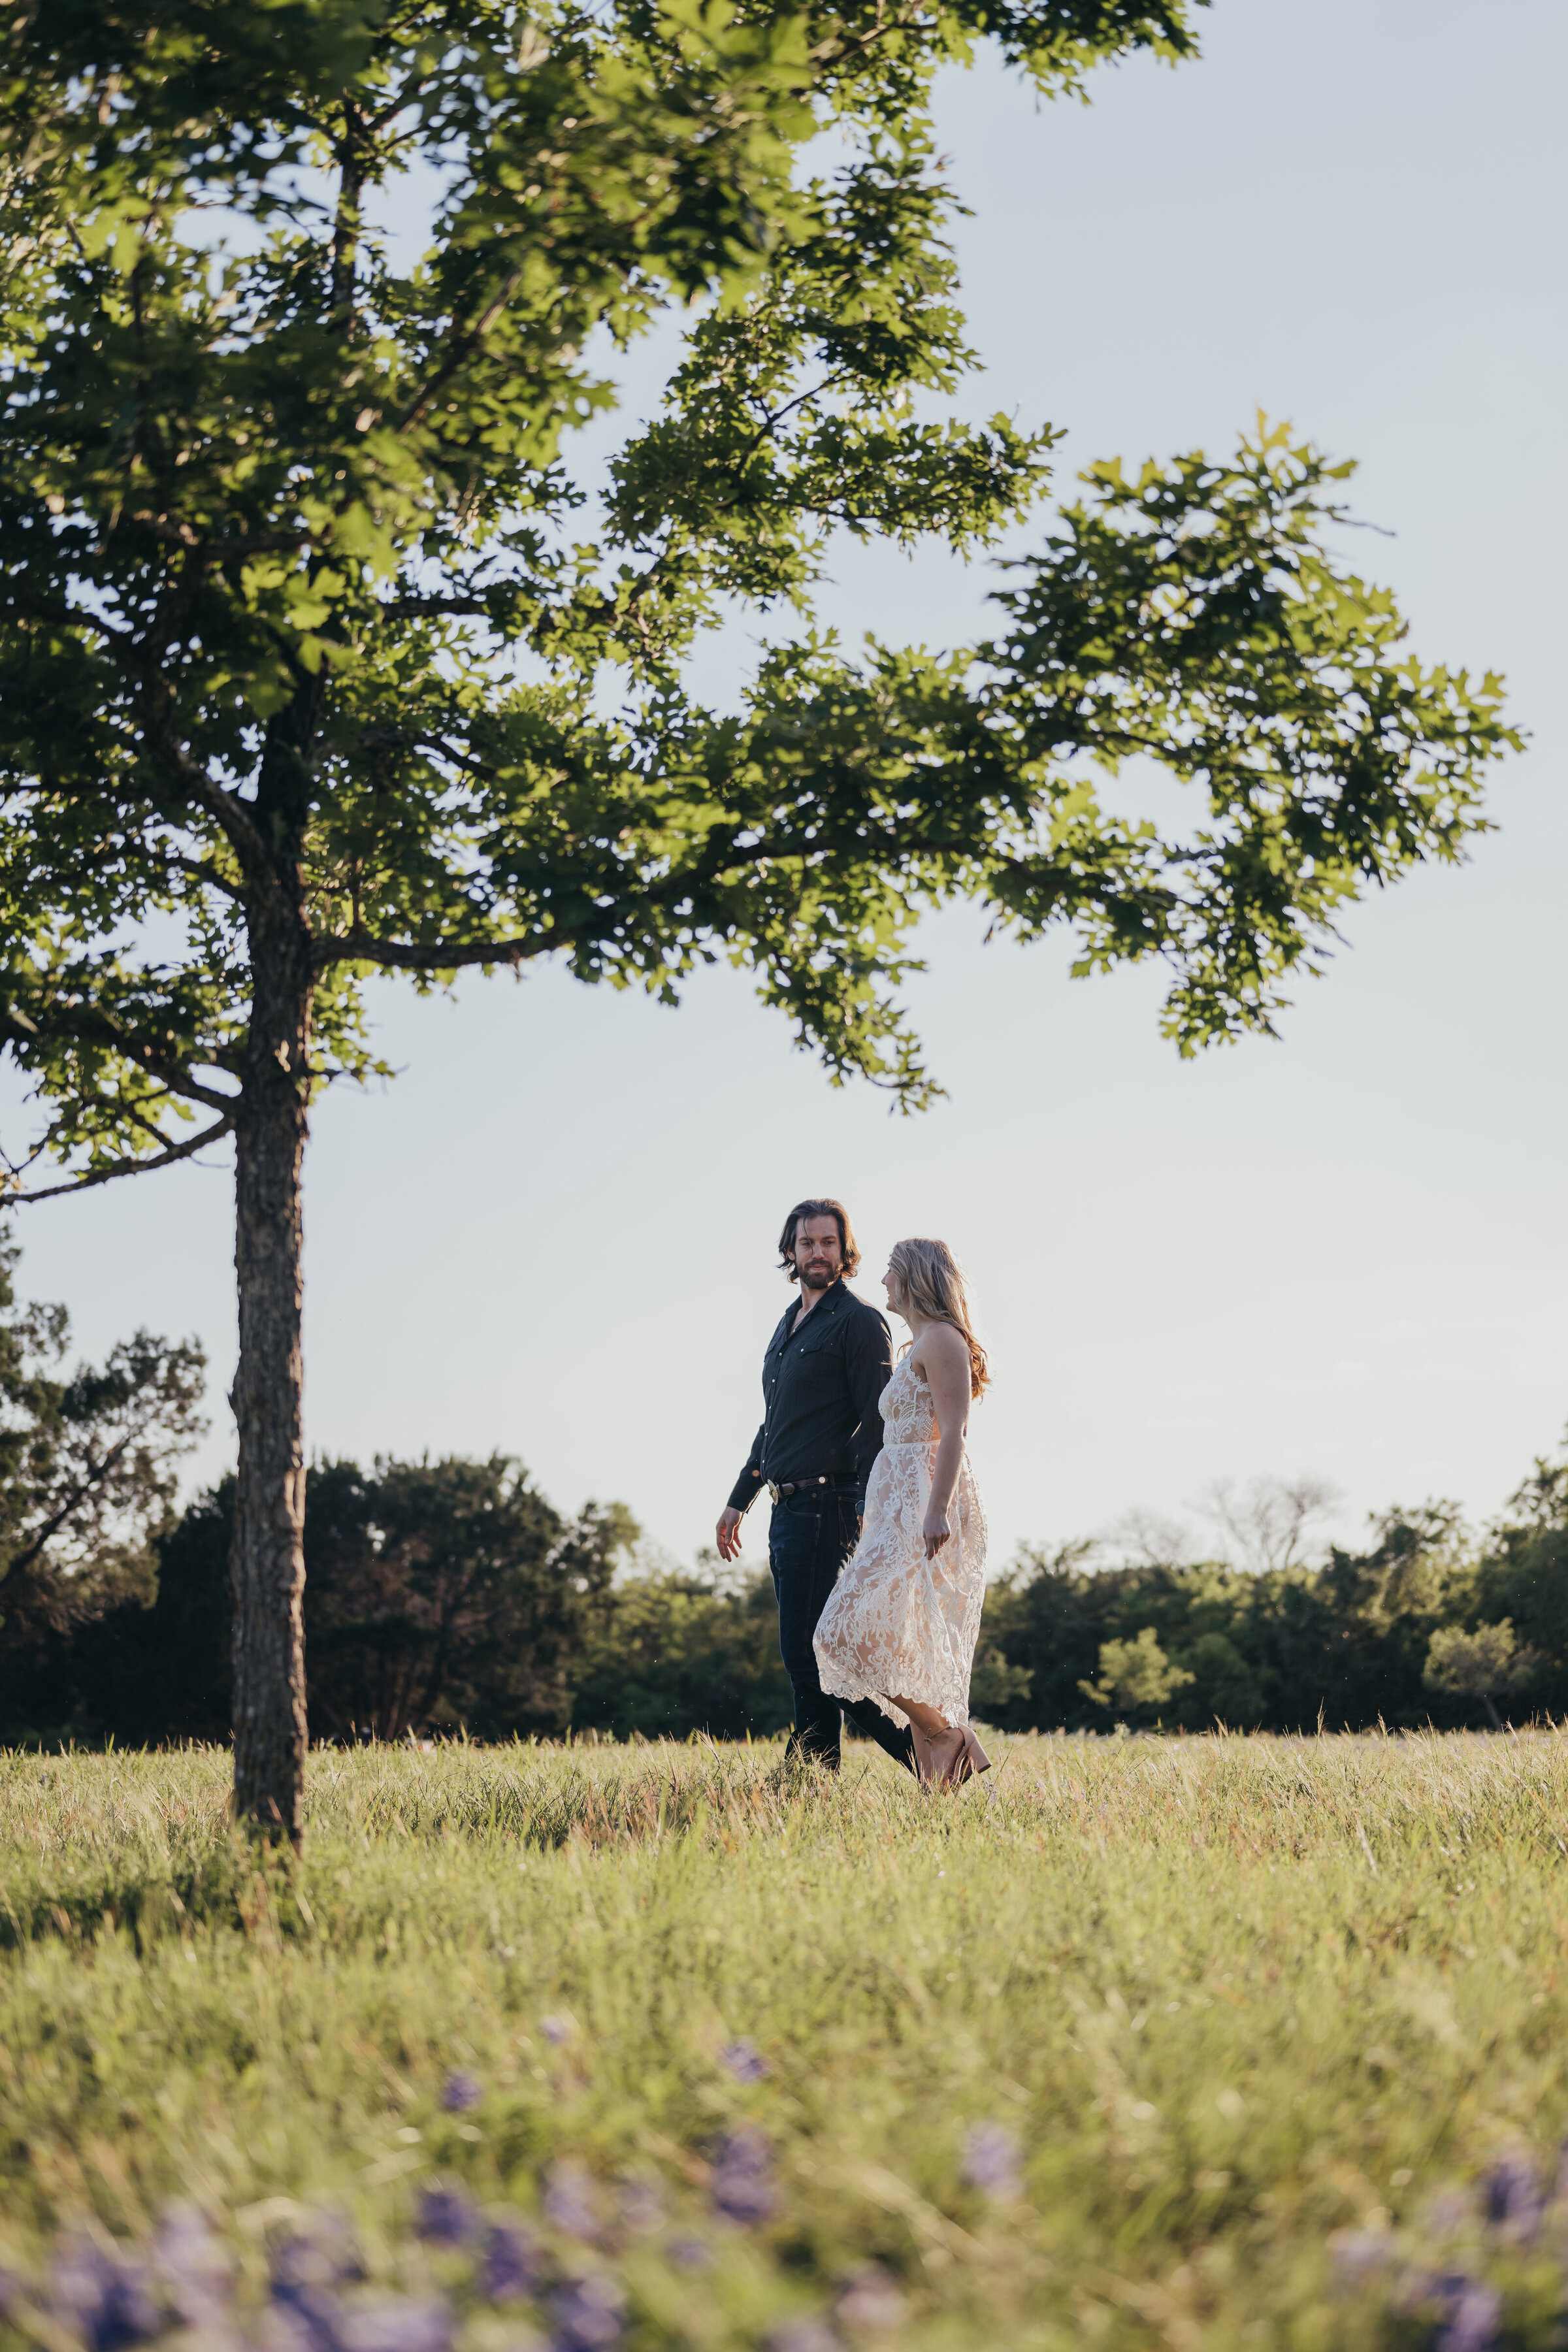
x=1339 y=1254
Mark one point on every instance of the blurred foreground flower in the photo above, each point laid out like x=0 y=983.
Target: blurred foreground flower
x=104 y=2299
x=1468 y=2314
x=556 y=2030
x=571 y=2199
x=395 y=2324
x=745 y=2062
x=804 y=2335
x=742 y=2184
x=445 y=2215
x=513 y=2265
x=993 y=2162
x=870 y=2299
x=460 y=2092
x=1511 y=2197
x=689 y=2254
x=588 y=2316
x=196 y=2267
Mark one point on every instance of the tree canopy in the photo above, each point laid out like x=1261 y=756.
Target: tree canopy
x=321 y=660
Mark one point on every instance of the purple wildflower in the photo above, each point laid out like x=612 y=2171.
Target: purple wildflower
x=556 y=2030
x=688 y=2254
x=103 y=2298
x=513 y=2265
x=745 y=2062
x=460 y=2092
x=195 y=2265
x=991 y=2162
x=871 y=2299
x=445 y=2215
x=322 y=2254
x=1511 y=2197
x=1471 y=2316
x=396 y=2324
x=13 y=2290
x=804 y=2335
x=304 y=2318
x=741 y=2181
x=570 y=2200
x=588 y=2316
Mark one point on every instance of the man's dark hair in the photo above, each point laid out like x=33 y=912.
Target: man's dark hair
x=798 y=1216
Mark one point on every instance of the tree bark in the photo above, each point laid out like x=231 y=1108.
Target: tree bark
x=268 y=1563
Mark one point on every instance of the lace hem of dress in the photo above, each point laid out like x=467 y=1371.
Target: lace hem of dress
x=951 y=1707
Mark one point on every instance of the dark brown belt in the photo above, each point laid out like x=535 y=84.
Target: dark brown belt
x=804 y=1486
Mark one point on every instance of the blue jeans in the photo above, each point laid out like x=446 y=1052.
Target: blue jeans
x=810 y=1536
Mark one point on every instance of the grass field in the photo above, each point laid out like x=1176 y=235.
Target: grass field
x=1208 y=2041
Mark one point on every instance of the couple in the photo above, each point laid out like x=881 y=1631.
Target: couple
x=866 y=1467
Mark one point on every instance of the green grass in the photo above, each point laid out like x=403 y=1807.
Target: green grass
x=1233 y=1995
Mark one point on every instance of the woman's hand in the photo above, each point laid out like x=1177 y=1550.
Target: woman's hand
x=936 y=1530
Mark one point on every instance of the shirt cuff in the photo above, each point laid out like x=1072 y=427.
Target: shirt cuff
x=746 y=1489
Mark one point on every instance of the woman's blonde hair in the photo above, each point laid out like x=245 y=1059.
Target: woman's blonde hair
x=932 y=1281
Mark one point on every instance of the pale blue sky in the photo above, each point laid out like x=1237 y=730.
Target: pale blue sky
x=1341 y=1253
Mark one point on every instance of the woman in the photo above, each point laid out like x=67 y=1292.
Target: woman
x=901 y=1624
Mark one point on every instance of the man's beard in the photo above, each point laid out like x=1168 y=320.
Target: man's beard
x=816 y=1277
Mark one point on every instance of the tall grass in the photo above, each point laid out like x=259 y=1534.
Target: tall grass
x=1231 y=1997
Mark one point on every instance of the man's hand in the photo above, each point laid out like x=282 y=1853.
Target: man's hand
x=729 y=1533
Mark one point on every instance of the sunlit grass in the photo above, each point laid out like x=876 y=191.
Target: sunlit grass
x=1230 y=1995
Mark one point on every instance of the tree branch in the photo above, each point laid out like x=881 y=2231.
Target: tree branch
x=130 y=1167
x=464 y=346
x=440 y=955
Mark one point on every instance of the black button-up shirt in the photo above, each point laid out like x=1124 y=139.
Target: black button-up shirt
x=821 y=1387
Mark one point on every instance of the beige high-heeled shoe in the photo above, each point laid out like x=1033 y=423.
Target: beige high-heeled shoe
x=970 y=1758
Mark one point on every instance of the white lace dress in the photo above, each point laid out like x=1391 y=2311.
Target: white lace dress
x=896 y=1621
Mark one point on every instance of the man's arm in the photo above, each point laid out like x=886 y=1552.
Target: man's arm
x=868 y=1366
x=748 y=1485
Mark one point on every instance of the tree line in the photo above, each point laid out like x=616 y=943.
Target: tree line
x=451 y=1596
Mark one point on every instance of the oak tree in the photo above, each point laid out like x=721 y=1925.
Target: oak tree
x=320 y=661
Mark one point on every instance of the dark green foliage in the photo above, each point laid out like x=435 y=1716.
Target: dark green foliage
x=87 y=1467
x=1278 y=1649
x=674 y=1654
x=447 y=1594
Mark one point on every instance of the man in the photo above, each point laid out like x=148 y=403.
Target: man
x=826 y=1367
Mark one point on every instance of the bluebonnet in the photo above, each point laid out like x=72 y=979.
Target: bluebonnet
x=570 y=2200
x=588 y=2315
x=513 y=2265
x=804 y=2335
x=688 y=2254
x=103 y=2298
x=992 y=2161
x=745 y=2062
x=555 y=2029
x=1469 y=2315
x=396 y=2324
x=445 y=2215
x=1511 y=2197
x=741 y=2184
x=871 y=2298
x=196 y=2267
x=323 y=2253
x=460 y=2092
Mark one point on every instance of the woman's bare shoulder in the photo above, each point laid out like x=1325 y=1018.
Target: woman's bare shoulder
x=938 y=1343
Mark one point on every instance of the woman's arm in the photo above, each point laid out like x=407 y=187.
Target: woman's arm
x=945 y=1359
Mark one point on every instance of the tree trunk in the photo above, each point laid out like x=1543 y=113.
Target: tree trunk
x=267 y=1562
